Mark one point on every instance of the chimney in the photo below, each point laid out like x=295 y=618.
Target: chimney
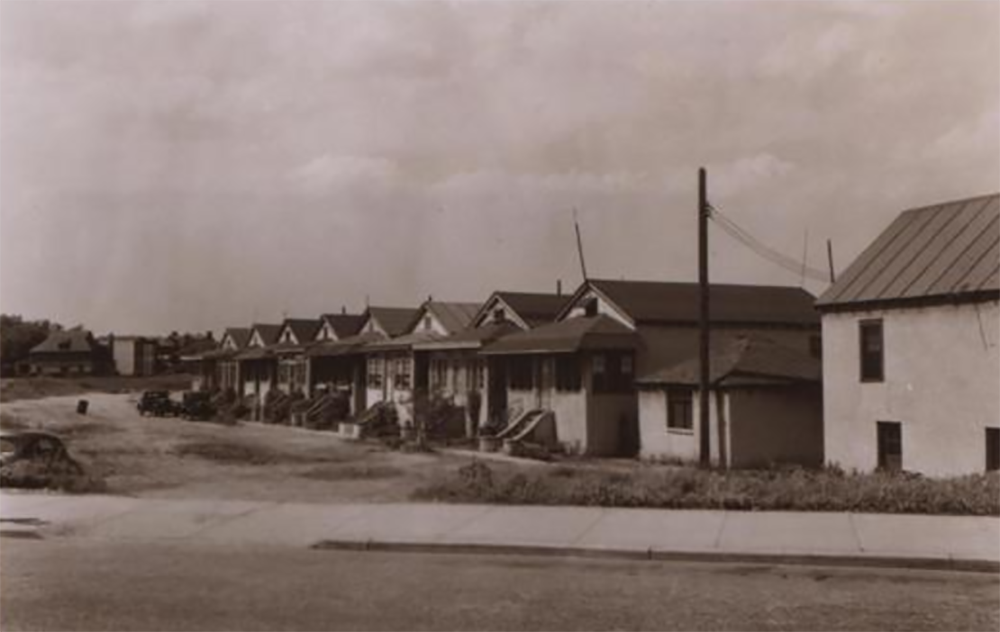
x=343 y=309
x=559 y=287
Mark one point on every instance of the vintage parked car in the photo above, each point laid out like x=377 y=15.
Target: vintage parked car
x=157 y=404
x=197 y=406
x=33 y=447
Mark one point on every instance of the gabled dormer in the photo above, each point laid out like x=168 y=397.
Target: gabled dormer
x=263 y=335
x=525 y=310
x=235 y=339
x=334 y=327
x=388 y=321
x=439 y=318
x=589 y=300
x=298 y=331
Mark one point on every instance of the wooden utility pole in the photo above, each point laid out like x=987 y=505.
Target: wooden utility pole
x=703 y=320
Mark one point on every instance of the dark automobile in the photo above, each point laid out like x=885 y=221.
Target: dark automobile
x=42 y=450
x=198 y=406
x=157 y=404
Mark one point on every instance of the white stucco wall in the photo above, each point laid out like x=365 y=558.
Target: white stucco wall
x=656 y=441
x=942 y=383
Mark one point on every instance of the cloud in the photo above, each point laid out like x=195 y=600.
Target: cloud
x=751 y=172
x=330 y=171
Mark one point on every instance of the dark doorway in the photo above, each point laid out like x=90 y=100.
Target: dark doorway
x=421 y=370
x=992 y=449
x=890 y=446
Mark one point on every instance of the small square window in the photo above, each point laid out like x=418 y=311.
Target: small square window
x=872 y=351
x=680 y=412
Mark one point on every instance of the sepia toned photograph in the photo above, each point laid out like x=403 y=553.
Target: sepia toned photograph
x=510 y=315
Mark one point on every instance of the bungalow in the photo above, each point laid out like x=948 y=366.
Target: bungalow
x=397 y=371
x=295 y=335
x=331 y=366
x=257 y=363
x=582 y=368
x=219 y=367
x=766 y=404
x=457 y=369
x=910 y=335
x=69 y=352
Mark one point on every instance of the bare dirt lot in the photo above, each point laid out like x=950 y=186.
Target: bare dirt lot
x=173 y=458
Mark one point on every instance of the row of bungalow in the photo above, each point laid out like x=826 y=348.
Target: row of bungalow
x=600 y=372
x=907 y=337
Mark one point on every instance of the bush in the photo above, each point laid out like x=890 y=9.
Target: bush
x=771 y=489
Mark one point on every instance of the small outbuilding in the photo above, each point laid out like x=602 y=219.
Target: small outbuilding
x=69 y=352
x=766 y=404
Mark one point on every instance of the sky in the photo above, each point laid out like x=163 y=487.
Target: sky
x=187 y=165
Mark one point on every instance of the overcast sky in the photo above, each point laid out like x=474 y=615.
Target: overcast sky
x=191 y=165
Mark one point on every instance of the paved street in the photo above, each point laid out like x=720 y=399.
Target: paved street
x=104 y=585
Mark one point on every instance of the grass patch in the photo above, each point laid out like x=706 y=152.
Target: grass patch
x=231 y=453
x=692 y=488
x=352 y=473
x=12 y=423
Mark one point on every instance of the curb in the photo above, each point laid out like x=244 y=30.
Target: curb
x=915 y=563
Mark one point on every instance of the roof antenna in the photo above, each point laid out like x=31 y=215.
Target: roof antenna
x=829 y=258
x=579 y=246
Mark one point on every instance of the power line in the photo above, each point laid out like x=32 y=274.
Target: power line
x=762 y=250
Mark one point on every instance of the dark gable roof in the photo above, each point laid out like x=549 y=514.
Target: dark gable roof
x=240 y=335
x=304 y=328
x=453 y=316
x=534 y=308
x=568 y=336
x=69 y=341
x=395 y=320
x=472 y=338
x=662 y=302
x=269 y=333
x=743 y=359
x=344 y=325
x=947 y=251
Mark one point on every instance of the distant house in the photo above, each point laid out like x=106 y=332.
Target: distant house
x=580 y=371
x=69 y=352
x=386 y=368
x=765 y=403
x=401 y=371
x=295 y=336
x=337 y=361
x=220 y=366
x=258 y=365
x=456 y=368
x=910 y=352
x=133 y=355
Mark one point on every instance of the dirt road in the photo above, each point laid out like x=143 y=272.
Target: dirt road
x=172 y=458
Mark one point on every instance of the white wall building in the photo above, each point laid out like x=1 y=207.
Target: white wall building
x=911 y=361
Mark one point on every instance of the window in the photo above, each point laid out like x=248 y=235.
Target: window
x=499 y=315
x=568 y=373
x=375 y=371
x=890 y=445
x=427 y=323
x=401 y=378
x=612 y=373
x=522 y=374
x=872 y=352
x=680 y=414
x=590 y=307
x=438 y=373
x=992 y=449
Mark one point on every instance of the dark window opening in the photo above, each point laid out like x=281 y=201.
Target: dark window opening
x=872 y=351
x=568 y=373
x=522 y=374
x=680 y=412
x=992 y=449
x=890 y=445
x=590 y=307
x=499 y=315
x=612 y=373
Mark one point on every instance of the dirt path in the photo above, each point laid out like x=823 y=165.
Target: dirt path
x=172 y=458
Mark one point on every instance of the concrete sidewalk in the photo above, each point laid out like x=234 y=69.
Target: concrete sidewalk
x=837 y=538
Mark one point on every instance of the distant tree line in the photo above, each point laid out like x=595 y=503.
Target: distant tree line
x=18 y=336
